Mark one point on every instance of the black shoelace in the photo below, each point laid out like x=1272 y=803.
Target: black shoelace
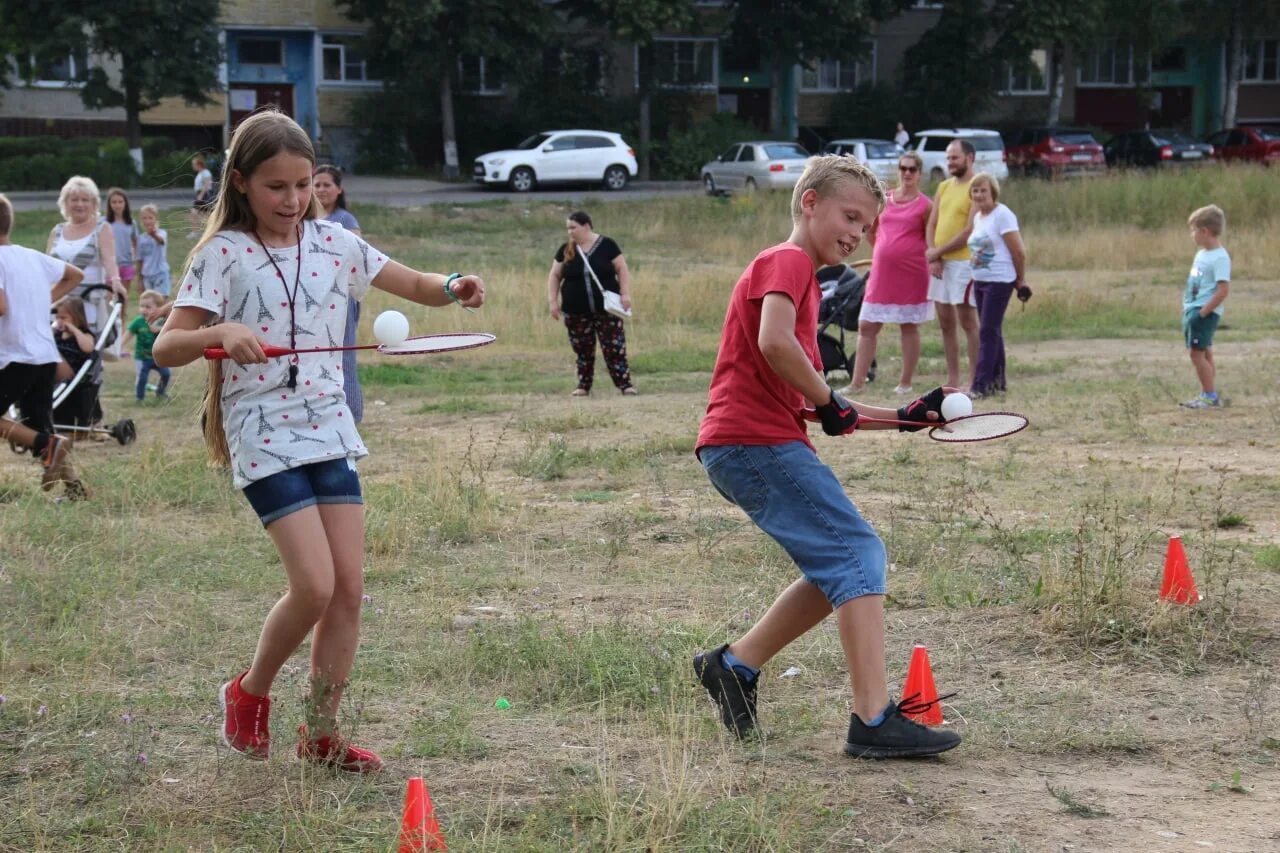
x=910 y=706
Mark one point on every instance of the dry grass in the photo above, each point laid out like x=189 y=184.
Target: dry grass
x=569 y=555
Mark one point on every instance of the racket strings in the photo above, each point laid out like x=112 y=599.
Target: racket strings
x=980 y=427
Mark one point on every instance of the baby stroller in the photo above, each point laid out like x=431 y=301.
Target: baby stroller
x=843 y=286
x=77 y=409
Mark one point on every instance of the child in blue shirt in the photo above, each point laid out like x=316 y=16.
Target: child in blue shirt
x=1207 y=287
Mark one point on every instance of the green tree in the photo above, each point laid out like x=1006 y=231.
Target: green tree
x=950 y=74
x=164 y=48
x=421 y=45
x=636 y=22
x=1231 y=21
x=1050 y=25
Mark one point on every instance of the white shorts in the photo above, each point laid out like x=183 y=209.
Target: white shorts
x=950 y=289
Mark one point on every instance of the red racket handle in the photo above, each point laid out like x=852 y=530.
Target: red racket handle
x=216 y=353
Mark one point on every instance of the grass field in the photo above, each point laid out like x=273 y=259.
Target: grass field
x=569 y=556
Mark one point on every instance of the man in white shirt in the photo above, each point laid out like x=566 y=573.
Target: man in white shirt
x=30 y=282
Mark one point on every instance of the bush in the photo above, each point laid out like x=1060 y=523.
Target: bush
x=682 y=154
x=45 y=162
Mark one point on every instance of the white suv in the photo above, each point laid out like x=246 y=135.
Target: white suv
x=931 y=145
x=560 y=155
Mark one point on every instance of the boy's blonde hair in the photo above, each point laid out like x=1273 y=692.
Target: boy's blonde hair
x=152 y=209
x=258 y=138
x=990 y=181
x=1209 y=217
x=828 y=173
x=6 y=216
x=157 y=298
x=76 y=185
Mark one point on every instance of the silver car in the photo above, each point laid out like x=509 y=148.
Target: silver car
x=879 y=155
x=748 y=166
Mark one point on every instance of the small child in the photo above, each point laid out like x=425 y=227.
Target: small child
x=152 y=252
x=120 y=218
x=143 y=330
x=754 y=447
x=75 y=342
x=1207 y=287
x=203 y=188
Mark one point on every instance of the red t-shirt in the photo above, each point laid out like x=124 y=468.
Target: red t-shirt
x=748 y=402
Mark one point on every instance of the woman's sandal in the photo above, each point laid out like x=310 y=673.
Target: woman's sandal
x=580 y=392
x=630 y=391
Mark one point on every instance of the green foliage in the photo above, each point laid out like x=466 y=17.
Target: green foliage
x=684 y=152
x=45 y=162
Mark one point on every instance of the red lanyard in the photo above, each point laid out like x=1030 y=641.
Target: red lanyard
x=293 y=323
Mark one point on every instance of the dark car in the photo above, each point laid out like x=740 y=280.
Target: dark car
x=1157 y=148
x=1054 y=151
x=1249 y=144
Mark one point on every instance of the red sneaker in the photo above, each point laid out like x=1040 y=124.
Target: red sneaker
x=244 y=720
x=335 y=752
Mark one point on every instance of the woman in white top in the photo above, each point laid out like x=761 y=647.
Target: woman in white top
x=998 y=261
x=85 y=241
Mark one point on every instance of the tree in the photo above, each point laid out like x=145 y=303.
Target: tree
x=637 y=22
x=951 y=71
x=799 y=32
x=419 y=45
x=1228 y=20
x=1052 y=25
x=165 y=48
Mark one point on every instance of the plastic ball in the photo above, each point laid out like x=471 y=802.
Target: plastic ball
x=956 y=406
x=391 y=328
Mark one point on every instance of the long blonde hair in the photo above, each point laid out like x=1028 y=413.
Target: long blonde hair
x=260 y=137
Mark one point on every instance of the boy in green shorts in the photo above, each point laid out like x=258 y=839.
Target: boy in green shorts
x=754 y=447
x=1207 y=287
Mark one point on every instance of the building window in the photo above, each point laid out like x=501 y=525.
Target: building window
x=1112 y=63
x=839 y=75
x=479 y=75
x=586 y=67
x=254 y=51
x=59 y=70
x=1031 y=79
x=1173 y=60
x=685 y=63
x=342 y=60
x=1260 y=61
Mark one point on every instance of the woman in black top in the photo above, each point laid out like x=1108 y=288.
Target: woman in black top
x=572 y=293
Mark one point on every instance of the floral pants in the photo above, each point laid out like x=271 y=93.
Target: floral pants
x=584 y=329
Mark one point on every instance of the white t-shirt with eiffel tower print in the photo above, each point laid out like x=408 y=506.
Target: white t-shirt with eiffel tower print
x=269 y=427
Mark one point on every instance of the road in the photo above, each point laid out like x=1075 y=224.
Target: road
x=405 y=192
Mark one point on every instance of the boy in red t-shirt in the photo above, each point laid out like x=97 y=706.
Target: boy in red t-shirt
x=754 y=447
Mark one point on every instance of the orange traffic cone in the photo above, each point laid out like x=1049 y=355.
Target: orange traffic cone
x=920 y=681
x=1179 y=586
x=419 y=829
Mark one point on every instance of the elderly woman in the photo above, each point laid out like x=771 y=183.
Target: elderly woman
x=84 y=239
x=898 y=286
x=999 y=264
x=574 y=293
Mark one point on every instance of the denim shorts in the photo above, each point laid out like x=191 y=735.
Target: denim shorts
x=791 y=495
x=333 y=481
x=1198 y=331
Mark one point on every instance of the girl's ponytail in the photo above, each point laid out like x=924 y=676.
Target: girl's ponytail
x=215 y=437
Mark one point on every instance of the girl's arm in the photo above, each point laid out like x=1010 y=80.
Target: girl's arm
x=624 y=280
x=427 y=288
x=1013 y=242
x=107 y=251
x=157 y=235
x=553 y=288
x=48 y=246
x=184 y=339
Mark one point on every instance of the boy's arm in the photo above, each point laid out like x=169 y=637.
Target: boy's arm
x=71 y=278
x=4 y=305
x=1219 y=296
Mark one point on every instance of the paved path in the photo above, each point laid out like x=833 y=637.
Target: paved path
x=405 y=192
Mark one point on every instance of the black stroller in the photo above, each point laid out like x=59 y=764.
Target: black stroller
x=843 y=286
x=77 y=409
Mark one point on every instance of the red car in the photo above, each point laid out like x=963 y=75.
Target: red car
x=1247 y=144
x=1054 y=151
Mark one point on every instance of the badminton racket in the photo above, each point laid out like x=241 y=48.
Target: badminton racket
x=421 y=345
x=983 y=426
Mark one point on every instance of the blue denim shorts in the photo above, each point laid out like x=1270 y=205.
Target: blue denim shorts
x=791 y=495
x=333 y=481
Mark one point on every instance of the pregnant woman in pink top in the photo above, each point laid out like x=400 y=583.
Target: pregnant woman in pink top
x=898 y=288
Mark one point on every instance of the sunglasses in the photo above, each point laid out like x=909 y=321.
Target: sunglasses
x=908 y=168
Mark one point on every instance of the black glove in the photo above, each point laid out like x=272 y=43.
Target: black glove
x=918 y=411
x=1024 y=293
x=838 y=416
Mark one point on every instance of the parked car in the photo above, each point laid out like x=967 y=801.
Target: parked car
x=1157 y=148
x=1049 y=152
x=879 y=155
x=557 y=156
x=931 y=145
x=747 y=166
x=1251 y=144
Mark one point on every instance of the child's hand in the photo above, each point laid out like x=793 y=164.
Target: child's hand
x=926 y=410
x=469 y=290
x=242 y=346
x=837 y=415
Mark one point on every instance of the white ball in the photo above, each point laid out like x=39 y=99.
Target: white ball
x=391 y=328
x=956 y=406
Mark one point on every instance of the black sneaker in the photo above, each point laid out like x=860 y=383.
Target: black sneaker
x=735 y=695
x=898 y=736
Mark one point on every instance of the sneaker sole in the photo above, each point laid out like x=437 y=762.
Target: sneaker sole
x=222 y=730
x=881 y=752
